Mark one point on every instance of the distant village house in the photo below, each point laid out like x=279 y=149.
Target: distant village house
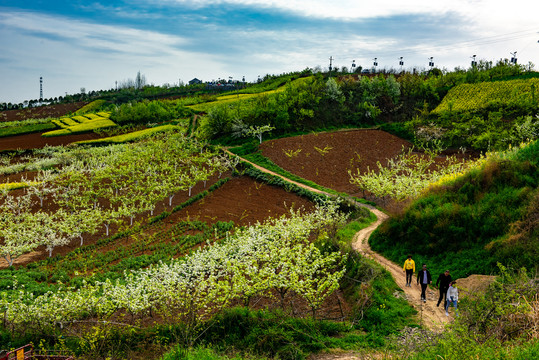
x=195 y=81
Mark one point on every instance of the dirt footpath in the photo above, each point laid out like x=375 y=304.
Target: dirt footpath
x=430 y=316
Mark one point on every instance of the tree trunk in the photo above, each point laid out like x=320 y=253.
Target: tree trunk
x=9 y=260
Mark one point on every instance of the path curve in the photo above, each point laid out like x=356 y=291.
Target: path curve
x=430 y=316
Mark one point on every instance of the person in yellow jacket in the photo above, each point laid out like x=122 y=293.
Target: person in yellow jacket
x=409 y=268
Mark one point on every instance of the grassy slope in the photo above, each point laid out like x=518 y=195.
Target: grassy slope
x=471 y=224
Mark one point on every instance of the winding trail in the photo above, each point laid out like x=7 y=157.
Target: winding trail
x=429 y=315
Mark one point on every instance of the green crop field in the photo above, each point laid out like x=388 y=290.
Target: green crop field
x=479 y=96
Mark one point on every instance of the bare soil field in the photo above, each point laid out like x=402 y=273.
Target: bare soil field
x=326 y=158
x=41 y=112
x=36 y=141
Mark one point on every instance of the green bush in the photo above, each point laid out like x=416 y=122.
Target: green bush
x=271 y=334
x=145 y=112
x=201 y=353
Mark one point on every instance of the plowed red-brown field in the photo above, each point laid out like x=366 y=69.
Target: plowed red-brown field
x=35 y=141
x=326 y=158
x=41 y=112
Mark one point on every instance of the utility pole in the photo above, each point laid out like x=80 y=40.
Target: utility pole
x=514 y=58
x=330 y=62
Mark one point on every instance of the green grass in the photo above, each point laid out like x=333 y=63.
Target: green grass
x=26 y=129
x=453 y=347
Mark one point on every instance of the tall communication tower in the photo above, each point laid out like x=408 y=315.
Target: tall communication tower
x=41 y=87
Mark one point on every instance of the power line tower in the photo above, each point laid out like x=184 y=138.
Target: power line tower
x=41 y=87
x=330 y=62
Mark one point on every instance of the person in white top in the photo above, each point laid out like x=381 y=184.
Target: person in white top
x=452 y=297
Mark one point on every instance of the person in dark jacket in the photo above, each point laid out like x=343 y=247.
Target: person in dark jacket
x=424 y=278
x=443 y=284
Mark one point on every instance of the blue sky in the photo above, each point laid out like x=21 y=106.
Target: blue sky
x=92 y=44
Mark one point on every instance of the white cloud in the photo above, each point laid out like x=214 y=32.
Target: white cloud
x=90 y=35
x=71 y=54
x=343 y=9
